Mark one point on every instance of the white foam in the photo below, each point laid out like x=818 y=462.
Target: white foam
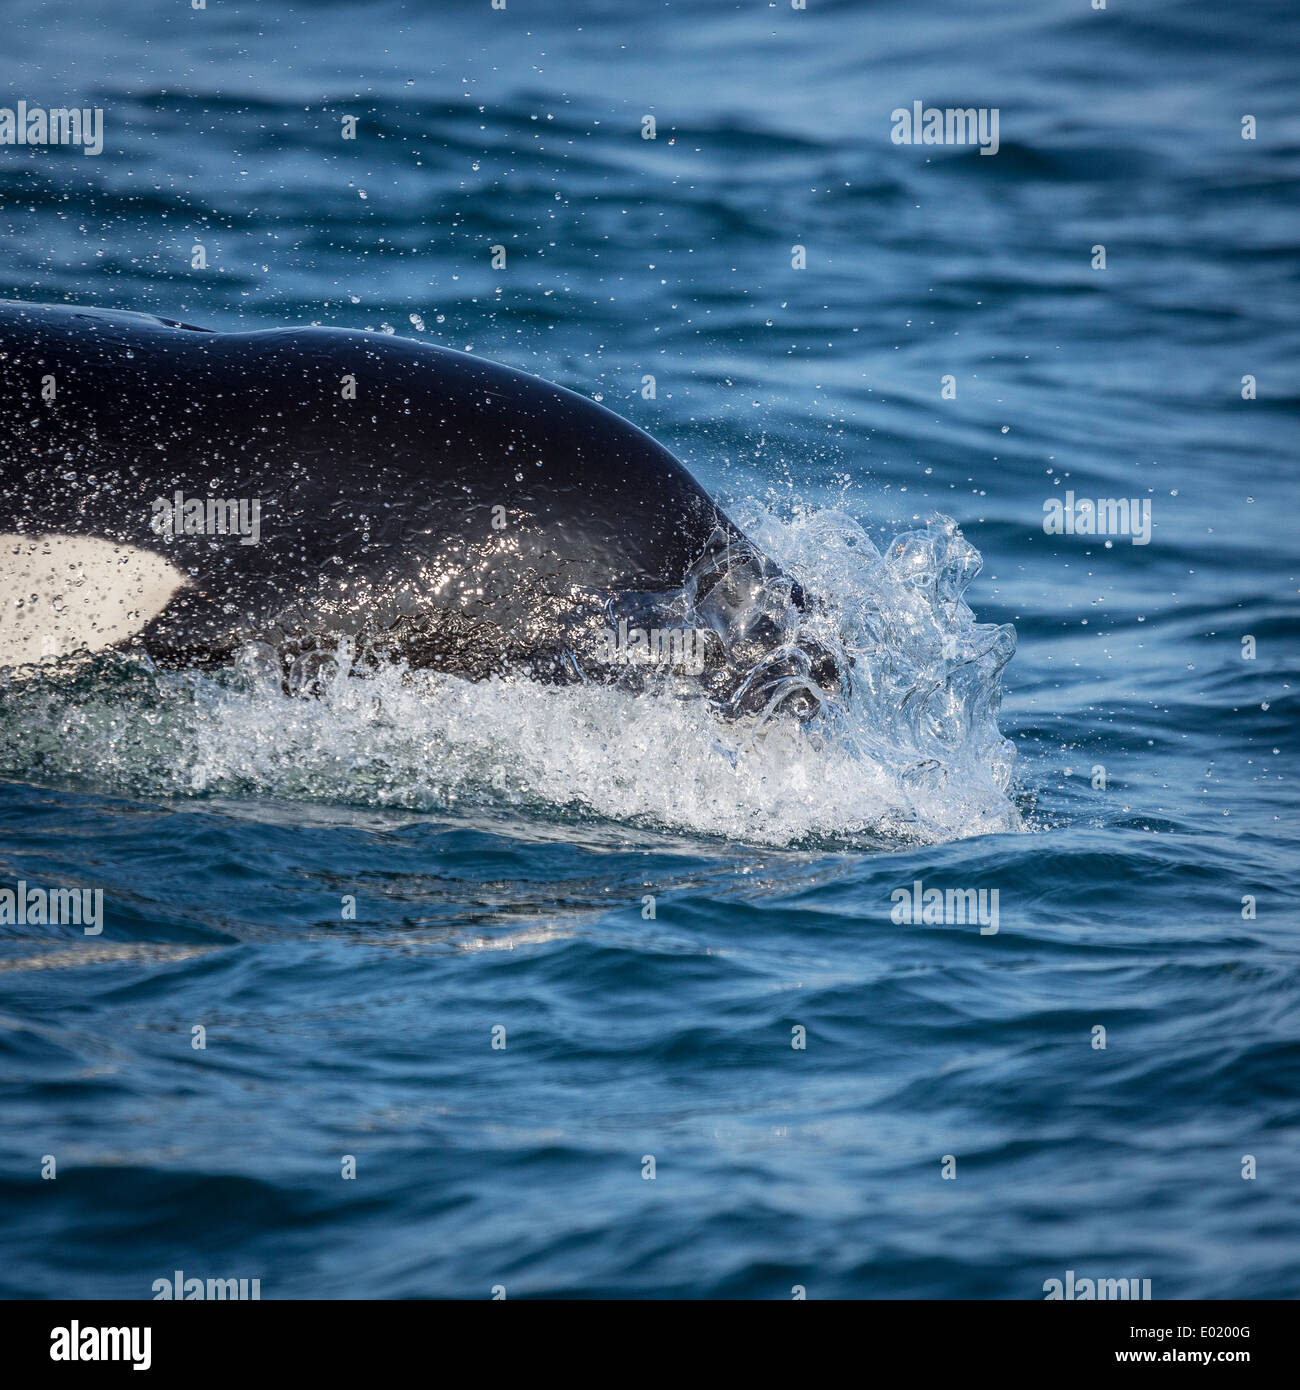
x=912 y=754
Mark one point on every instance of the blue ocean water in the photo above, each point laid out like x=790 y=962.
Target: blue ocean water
x=500 y=848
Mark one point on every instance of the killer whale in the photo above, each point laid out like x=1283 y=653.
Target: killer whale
x=185 y=492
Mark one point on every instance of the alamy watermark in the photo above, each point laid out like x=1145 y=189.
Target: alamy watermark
x=1106 y=516
x=679 y=648
x=194 y=1289
x=34 y=125
x=77 y=1343
x=208 y=516
x=25 y=905
x=950 y=125
x=1070 y=1287
x=934 y=907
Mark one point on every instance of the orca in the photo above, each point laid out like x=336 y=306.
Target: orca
x=185 y=492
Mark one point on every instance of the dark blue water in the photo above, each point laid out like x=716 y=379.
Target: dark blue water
x=500 y=842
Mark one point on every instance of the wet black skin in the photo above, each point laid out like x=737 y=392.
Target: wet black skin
x=456 y=513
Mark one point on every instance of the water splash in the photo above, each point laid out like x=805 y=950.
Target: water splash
x=909 y=752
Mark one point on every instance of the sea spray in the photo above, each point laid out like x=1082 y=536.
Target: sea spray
x=908 y=752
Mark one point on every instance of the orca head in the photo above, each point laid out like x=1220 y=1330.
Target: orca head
x=773 y=665
x=745 y=622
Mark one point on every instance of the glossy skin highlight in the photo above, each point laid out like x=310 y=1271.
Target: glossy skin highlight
x=423 y=503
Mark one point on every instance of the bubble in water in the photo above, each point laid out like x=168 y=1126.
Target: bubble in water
x=909 y=752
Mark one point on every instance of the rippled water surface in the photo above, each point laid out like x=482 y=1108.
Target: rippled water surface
x=355 y=894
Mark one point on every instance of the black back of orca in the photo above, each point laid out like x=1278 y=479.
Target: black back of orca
x=470 y=515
